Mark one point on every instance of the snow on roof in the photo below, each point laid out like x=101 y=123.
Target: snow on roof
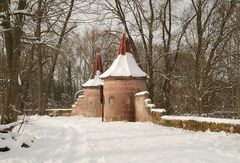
x=97 y=70
x=124 y=66
x=96 y=81
x=93 y=82
x=202 y=119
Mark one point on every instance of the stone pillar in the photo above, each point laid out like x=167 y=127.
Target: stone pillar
x=141 y=112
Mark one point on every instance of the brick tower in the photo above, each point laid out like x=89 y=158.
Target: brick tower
x=121 y=81
x=92 y=104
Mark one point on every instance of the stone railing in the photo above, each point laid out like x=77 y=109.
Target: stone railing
x=146 y=111
x=58 y=112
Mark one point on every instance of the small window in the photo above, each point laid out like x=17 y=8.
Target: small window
x=111 y=100
x=91 y=103
x=128 y=100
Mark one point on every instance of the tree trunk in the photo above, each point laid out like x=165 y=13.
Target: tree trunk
x=12 y=34
x=167 y=39
x=41 y=109
x=69 y=80
x=198 y=63
x=50 y=80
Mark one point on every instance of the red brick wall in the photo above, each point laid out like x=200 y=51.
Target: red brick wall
x=78 y=109
x=92 y=105
x=119 y=103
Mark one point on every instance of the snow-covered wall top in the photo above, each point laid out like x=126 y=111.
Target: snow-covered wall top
x=124 y=66
x=142 y=93
x=202 y=119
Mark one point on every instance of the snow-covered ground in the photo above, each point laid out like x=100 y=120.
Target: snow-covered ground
x=88 y=140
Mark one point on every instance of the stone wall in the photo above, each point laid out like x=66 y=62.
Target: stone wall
x=92 y=104
x=58 y=112
x=77 y=108
x=145 y=111
x=200 y=126
x=119 y=101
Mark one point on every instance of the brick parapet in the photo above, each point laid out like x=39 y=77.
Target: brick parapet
x=145 y=111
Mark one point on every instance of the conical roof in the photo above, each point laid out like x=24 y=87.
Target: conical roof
x=97 y=70
x=124 y=65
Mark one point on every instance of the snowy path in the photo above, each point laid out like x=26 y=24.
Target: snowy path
x=87 y=140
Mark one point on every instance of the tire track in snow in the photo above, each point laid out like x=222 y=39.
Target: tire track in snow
x=94 y=152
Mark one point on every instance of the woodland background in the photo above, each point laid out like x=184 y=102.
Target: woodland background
x=189 y=48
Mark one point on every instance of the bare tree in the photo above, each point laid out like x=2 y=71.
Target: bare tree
x=64 y=30
x=13 y=34
x=39 y=54
x=211 y=30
